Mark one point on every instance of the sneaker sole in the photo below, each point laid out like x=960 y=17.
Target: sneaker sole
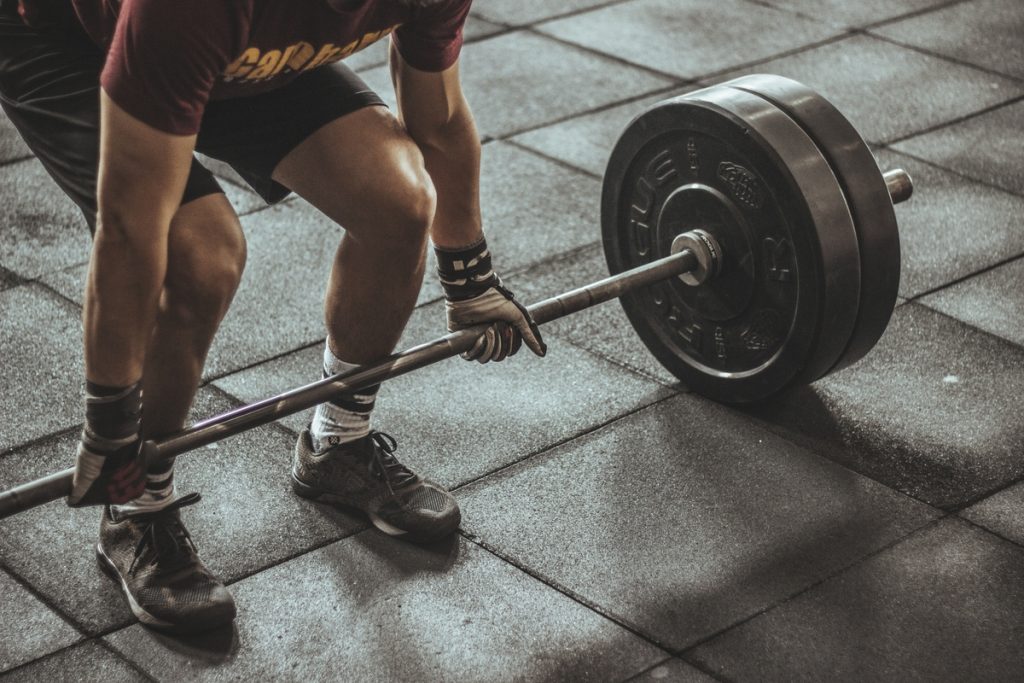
x=319 y=495
x=144 y=617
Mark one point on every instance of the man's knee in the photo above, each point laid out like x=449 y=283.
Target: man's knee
x=205 y=263
x=409 y=208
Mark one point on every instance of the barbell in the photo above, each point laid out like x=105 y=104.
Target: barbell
x=751 y=239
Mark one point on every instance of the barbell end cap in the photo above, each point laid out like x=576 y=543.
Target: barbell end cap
x=706 y=249
x=900 y=185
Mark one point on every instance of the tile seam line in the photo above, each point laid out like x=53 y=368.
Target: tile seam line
x=918 y=298
x=15 y=160
x=938 y=55
x=974 y=327
x=102 y=642
x=912 y=14
x=565 y=591
x=40 y=440
x=67 y=618
x=546 y=449
x=889 y=147
x=686 y=653
x=565 y=15
x=4 y=673
x=537 y=31
x=507 y=137
x=992 y=532
x=705 y=78
x=93 y=639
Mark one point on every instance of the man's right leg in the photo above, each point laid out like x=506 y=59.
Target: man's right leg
x=49 y=89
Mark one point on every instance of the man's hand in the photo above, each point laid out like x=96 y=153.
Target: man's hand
x=474 y=295
x=512 y=324
x=116 y=476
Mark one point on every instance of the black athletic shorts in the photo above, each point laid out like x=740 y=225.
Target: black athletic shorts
x=49 y=88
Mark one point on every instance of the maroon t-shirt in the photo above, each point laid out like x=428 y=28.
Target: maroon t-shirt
x=167 y=58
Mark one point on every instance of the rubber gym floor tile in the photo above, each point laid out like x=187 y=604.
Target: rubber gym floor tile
x=672 y=671
x=518 y=81
x=862 y=13
x=991 y=301
x=944 y=604
x=684 y=518
x=89 y=662
x=279 y=303
x=931 y=411
x=586 y=141
x=11 y=145
x=602 y=329
x=937 y=244
x=248 y=519
x=375 y=608
x=887 y=91
x=717 y=34
x=28 y=628
x=987 y=147
x=41 y=368
x=457 y=420
x=522 y=12
x=43 y=230
x=533 y=208
x=986 y=33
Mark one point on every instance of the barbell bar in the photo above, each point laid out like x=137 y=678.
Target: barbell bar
x=699 y=258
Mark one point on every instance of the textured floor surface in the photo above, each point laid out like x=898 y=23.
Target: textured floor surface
x=868 y=527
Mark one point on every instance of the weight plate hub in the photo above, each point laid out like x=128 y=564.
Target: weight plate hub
x=783 y=307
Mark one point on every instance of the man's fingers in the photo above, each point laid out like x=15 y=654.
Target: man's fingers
x=480 y=348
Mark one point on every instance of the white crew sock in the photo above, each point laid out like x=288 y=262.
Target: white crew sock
x=159 y=493
x=346 y=417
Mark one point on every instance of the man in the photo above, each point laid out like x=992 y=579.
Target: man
x=113 y=98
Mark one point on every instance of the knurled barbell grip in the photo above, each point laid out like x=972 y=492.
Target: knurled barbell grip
x=58 y=485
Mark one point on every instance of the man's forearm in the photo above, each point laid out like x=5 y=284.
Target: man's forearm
x=452 y=157
x=122 y=295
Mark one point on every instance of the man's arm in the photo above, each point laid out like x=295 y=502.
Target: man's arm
x=142 y=174
x=142 y=178
x=435 y=112
x=437 y=116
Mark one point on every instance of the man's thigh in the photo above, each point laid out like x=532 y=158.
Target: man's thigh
x=254 y=134
x=49 y=89
x=364 y=172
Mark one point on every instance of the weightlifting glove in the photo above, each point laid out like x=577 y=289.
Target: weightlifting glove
x=474 y=295
x=110 y=465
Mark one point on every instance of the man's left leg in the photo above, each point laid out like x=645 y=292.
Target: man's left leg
x=365 y=173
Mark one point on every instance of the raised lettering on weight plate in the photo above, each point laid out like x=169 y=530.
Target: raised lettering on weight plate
x=662 y=168
x=743 y=184
x=776 y=254
x=639 y=216
x=691 y=333
x=693 y=157
x=720 y=351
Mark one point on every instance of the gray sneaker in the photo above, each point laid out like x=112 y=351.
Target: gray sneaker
x=365 y=475
x=154 y=560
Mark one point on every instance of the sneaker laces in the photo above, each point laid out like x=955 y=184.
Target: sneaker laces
x=165 y=535
x=383 y=462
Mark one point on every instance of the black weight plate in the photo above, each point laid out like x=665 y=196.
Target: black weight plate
x=782 y=310
x=866 y=195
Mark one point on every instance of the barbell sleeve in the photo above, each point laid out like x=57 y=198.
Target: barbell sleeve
x=244 y=418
